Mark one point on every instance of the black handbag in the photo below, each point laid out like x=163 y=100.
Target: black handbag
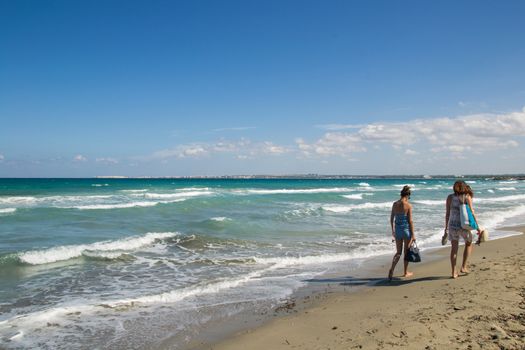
x=413 y=254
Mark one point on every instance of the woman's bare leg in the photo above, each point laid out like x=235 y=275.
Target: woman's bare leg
x=405 y=244
x=466 y=255
x=399 y=247
x=453 y=257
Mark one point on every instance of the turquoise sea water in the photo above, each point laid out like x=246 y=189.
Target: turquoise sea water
x=126 y=263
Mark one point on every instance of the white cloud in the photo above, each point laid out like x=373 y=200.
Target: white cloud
x=242 y=149
x=476 y=133
x=183 y=151
x=2 y=157
x=238 y=128
x=107 y=160
x=80 y=158
x=410 y=152
x=330 y=144
x=336 y=127
x=270 y=148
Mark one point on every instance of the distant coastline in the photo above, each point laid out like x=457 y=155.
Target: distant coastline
x=324 y=177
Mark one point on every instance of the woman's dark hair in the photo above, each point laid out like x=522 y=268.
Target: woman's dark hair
x=405 y=192
x=460 y=187
x=470 y=192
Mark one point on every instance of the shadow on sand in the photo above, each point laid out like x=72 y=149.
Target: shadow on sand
x=356 y=281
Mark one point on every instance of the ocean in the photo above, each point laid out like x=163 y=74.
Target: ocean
x=129 y=263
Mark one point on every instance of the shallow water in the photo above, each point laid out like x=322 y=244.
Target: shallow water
x=125 y=263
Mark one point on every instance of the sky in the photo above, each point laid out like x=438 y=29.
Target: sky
x=192 y=88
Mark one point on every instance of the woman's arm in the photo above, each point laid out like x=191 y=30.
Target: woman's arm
x=447 y=215
x=392 y=222
x=411 y=225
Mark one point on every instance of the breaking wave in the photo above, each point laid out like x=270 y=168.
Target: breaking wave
x=347 y=208
x=61 y=253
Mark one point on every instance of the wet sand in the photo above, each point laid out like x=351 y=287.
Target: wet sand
x=484 y=309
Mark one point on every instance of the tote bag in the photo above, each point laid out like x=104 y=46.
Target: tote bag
x=413 y=254
x=466 y=217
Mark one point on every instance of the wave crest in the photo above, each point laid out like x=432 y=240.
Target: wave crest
x=348 y=208
x=61 y=253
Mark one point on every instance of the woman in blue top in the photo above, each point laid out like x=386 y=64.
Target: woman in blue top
x=402 y=229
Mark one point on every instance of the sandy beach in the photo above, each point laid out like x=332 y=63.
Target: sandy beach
x=480 y=310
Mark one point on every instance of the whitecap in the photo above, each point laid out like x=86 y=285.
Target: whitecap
x=115 y=206
x=104 y=255
x=403 y=185
x=430 y=202
x=506 y=188
x=470 y=182
x=61 y=253
x=7 y=210
x=177 y=195
x=364 y=184
x=18 y=200
x=354 y=196
x=134 y=191
x=194 y=189
x=220 y=218
x=293 y=191
x=508 y=182
x=348 y=208
x=517 y=197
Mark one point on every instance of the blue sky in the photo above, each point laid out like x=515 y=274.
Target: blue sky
x=261 y=87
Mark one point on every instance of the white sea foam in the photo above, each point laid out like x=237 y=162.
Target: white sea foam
x=18 y=200
x=194 y=189
x=517 y=197
x=220 y=218
x=509 y=182
x=490 y=191
x=109 y=255
x=7 y=210
x=364 y=184
x=494 y=219
x=363 y=252
x=347 y=208
x=290 y=191
x=134 y=191
x=56 y=313
x=99 y=185
x=115 y=206
x=403 y=185
x=180 y=294
x=470 y=182
x=185 y=194
x=61 y=253
x=275 y=263
x=354 y=196
x=506 y=189
x=431 y=202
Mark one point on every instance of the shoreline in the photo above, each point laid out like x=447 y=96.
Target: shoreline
x=373 y=315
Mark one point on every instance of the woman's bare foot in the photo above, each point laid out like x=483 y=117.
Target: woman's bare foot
x=390 y=275
x=464 y=270
x=408 y=274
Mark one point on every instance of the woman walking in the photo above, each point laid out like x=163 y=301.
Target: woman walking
x=402 y=230
x=453 y=231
